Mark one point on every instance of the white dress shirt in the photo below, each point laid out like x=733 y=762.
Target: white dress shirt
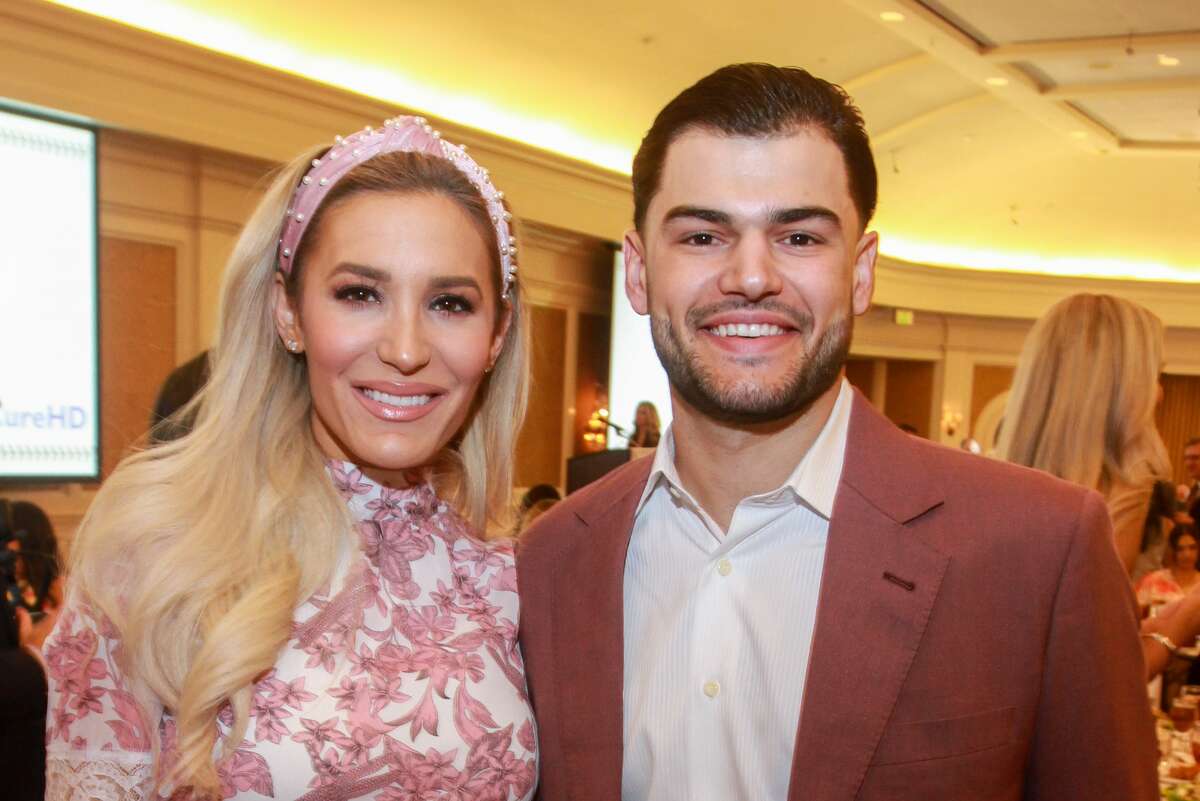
x=718 y=629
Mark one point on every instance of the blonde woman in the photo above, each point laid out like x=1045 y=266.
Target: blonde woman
x=1082 y=408
x=294 y=601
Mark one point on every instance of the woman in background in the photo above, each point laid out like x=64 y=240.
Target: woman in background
x=646 y=426
x=294 y=600
x=1174 y=582
x=1082 y=408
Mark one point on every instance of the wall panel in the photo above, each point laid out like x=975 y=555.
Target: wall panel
x=539 y=446
x=1178 y=417
x=137 y=339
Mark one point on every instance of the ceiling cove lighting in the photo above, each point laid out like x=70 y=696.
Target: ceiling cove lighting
x=202 y=29
x=937 y=255
x=996 y=81
x=891 y=16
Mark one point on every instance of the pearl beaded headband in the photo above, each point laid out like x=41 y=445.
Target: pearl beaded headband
x=401 y=134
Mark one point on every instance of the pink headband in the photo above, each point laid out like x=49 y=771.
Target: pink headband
x=402 y=134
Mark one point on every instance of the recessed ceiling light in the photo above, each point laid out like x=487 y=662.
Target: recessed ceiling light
x=892 y=16
x=997 y=81
x=1167 y=61
x=1079 y=134
x=1100 y=65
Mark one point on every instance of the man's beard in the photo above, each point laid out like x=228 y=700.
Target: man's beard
x=746 y=402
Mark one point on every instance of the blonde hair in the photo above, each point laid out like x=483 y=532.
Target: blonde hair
x=200 y=550
x=1083 y=396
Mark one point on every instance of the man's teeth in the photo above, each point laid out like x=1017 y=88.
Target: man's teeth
x=397 y=400
x=747 y=330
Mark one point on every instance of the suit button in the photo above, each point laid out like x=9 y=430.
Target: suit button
x=712 y=689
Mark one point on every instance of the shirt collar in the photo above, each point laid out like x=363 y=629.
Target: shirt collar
x=814 y=480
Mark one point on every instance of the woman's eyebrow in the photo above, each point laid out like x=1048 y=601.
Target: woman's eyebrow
x=455 y=282
x=363 y=271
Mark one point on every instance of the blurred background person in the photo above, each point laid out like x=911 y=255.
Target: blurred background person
x=169 y=421
x=32 y=589
x=1082 y=408
x=646 y=426
x=536 y=500
x=1172 y=583
x=1189 y=492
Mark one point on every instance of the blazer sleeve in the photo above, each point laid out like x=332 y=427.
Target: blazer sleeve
x=1094 y=734
x=97 y=746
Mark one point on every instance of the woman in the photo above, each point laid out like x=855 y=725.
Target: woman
x=1173 y=583
x=1082 y=408
x=36 y=562
x=645 y=426
x=293 y=600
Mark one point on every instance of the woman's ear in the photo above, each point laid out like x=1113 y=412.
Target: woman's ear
x=502 y=326
x=286 y=324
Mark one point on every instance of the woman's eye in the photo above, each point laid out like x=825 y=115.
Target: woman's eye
x=357 y=294
x=701 y=238
x=452 y=304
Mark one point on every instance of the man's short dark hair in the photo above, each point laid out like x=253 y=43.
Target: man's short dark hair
x=759 y=100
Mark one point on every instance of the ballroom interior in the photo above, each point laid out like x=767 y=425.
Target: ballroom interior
x=1026 y=152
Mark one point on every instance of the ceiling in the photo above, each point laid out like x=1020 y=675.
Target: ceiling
x=1056 y=136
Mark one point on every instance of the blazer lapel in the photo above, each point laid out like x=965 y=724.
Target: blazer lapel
x=589 y=627
x=877 y=591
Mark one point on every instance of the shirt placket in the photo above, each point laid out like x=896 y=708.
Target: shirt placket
x=711 y=687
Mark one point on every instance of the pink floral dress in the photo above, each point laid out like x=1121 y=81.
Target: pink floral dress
x=403 y=682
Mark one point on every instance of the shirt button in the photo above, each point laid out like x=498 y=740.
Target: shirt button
x=712 y=689
x=724 y=567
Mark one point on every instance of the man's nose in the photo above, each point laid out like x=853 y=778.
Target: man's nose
x=752 y=271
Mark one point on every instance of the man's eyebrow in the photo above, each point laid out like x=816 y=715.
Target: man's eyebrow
x=363 y=271
x=699 y=213
x=802 y=213
x=776 y=217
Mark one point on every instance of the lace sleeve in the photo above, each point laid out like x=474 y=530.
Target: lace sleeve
x=97 y=748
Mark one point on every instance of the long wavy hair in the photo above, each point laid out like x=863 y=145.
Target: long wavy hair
x=199 y=550
x=1083 y=398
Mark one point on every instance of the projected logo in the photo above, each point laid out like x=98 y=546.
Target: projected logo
x=52 y=417
x=56 y=438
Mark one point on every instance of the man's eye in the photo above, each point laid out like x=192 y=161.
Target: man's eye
x=701 y=238
x=801 y=240
x=357 y=294
x=452 y=304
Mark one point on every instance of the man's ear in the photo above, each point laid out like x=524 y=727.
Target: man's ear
x=634 y=253
x=286 y=322
x=864 y=271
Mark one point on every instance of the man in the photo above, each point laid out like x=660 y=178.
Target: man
x=793 y=598
x=1191 y=465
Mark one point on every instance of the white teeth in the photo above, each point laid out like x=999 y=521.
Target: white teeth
x=397 y=400
x=749 y=330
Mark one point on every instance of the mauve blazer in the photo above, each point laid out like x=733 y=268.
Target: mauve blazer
x=1001 y=661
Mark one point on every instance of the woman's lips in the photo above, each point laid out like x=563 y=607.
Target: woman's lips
x=398 y=406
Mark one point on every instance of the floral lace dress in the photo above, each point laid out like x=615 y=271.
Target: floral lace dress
x=401 y=683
